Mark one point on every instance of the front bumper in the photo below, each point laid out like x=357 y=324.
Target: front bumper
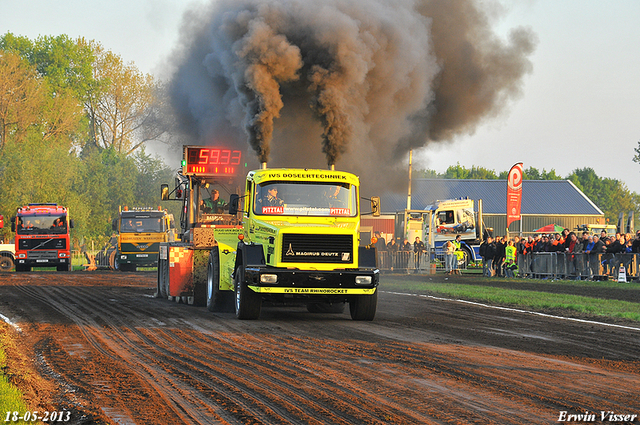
x=42 y=262
x=307 y=284
x=139 y=259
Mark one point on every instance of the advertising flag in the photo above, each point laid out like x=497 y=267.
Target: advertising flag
x=514 y=193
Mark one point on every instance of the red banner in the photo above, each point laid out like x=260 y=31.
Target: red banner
x=514 y=193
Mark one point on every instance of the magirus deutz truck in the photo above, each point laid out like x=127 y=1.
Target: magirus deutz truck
x=290 y=236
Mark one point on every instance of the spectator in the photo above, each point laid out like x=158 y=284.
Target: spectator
x=392 y=249
x=587 y=252
x=595 y=254
x=498 y=259
x=574 y=249
x=381 y=250
x=635 y=246
x=380 y=244
x=585 y=240
x=457 y=243
x=405 y=249
x=449 y=256
x=510 y=265
x=418 y=250
x=487 y=252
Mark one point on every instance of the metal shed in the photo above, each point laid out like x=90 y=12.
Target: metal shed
x=543 y=202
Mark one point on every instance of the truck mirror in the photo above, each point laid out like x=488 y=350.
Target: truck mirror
x=233 y=204
x=375 y=206
x=164 y=193
x=13 y=227
x=71 y=225
x=114 y=224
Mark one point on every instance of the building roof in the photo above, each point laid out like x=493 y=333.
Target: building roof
x=557 y=197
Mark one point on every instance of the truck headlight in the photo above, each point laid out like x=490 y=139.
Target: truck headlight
x=363 y=280
x=123 y=257
x=268 y=278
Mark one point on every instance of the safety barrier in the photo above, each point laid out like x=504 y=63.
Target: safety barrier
x=411 y=262
x=561 y=265
x=94 y=259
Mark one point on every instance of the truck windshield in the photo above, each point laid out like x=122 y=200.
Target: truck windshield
x=306 y=198
x=41 y=224
x=141 y=225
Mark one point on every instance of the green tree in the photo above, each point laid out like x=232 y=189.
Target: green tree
x=610 y=195
x=460 y=172
x=63 y=70
x=21 y=97
x=123 y=104
x=532 y=173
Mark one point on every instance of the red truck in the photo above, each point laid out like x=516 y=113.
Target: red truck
x=42 y=237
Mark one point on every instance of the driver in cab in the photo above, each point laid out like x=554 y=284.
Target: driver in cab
x=271 y=199
x=335 y=198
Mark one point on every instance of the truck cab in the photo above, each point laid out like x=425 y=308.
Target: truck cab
x=140 y=232
x=42 y=237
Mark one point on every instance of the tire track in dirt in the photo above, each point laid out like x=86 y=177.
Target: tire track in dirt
x=66 y=301
x=293 y=367
x=238 y=379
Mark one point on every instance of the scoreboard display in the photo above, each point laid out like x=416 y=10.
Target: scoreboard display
x=210 y=161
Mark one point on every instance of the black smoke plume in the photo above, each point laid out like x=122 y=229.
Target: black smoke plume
x=350 y=82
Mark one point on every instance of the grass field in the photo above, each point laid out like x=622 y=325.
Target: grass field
x=548 y=295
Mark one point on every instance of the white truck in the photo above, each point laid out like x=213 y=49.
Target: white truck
x=442 y=221
x=7 y=252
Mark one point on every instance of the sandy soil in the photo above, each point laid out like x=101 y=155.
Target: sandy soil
x=101 y=346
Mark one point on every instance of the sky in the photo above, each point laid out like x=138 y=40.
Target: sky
x=580 y=106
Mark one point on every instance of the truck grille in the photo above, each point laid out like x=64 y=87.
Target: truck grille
x=304 y=248
x=48 y=243
x=42 y=255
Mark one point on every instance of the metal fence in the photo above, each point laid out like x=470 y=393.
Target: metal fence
x=411 y=262
x=540 y=265
x=94 y=259
x=560 y=265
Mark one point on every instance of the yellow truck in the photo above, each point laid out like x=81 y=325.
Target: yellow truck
x=140 y=232
x=291 y=236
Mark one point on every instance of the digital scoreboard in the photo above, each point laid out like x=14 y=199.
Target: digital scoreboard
x=210 y=161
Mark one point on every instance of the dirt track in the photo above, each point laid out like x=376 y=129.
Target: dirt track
x=118 y=355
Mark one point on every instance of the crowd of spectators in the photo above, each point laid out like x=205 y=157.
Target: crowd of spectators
x=590 y=255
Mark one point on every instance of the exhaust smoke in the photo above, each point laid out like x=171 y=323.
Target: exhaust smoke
x=354 y=82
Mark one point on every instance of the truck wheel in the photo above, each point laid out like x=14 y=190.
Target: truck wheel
x=248 y=303
x=217 y=300
x=163 y=279
x=6 y=263
x=159 y=291
x=364 y=307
